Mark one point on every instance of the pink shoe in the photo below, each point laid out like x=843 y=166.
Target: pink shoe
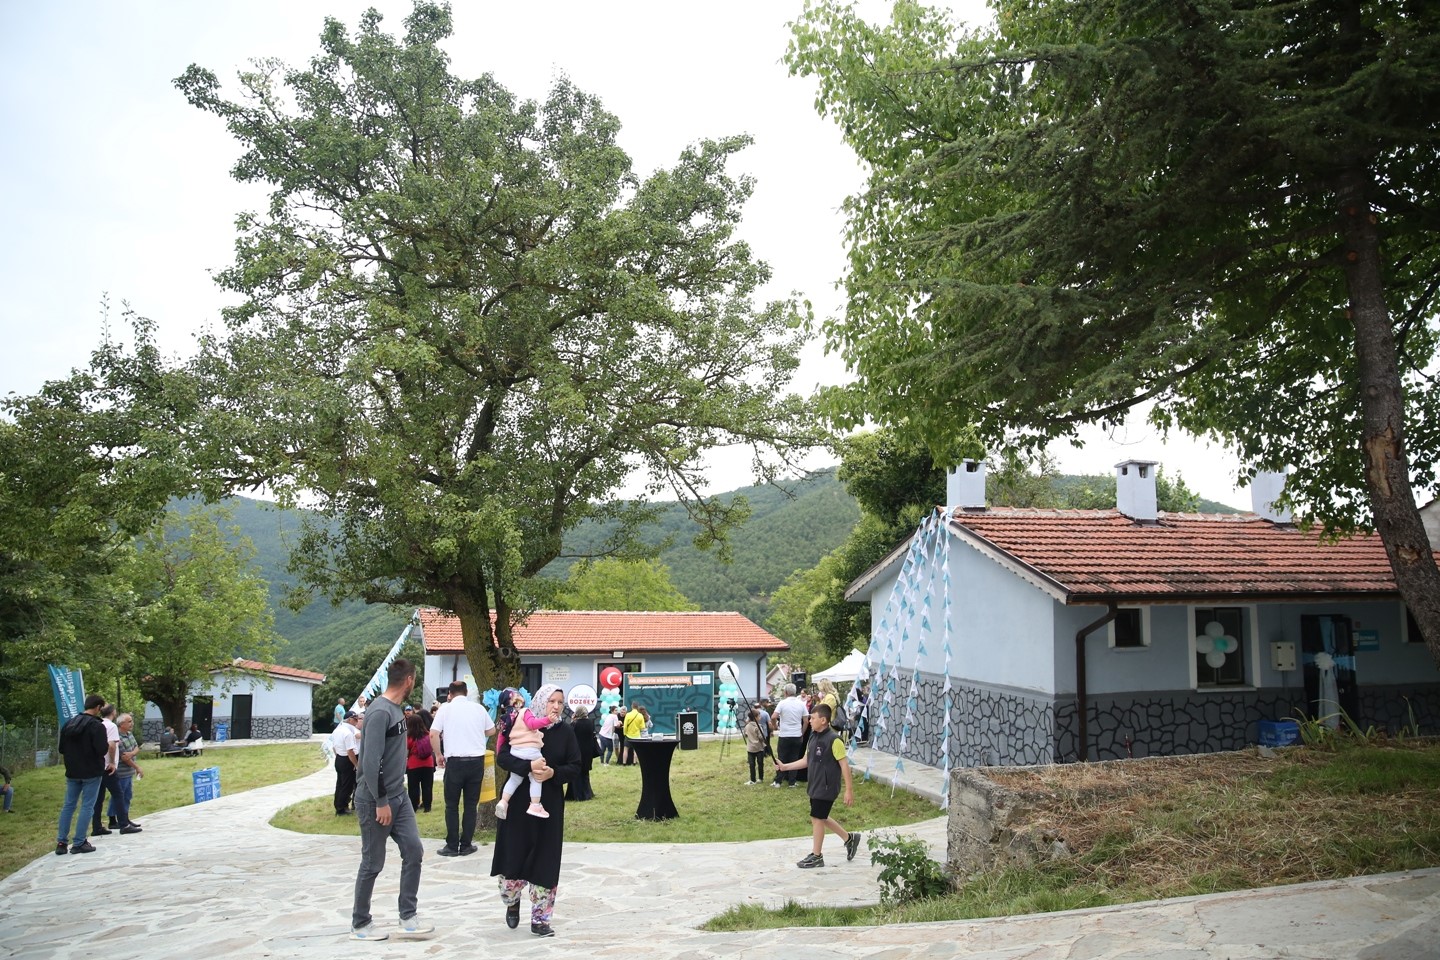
x=502 y=808
x=536 y=810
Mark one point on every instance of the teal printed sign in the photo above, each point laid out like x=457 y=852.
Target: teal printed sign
x=69 y=688
x=666 y=694
x=1367 y=639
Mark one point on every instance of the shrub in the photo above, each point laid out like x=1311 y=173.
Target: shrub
x=907 y=873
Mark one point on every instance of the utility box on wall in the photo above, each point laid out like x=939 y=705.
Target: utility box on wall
x=1282 y=655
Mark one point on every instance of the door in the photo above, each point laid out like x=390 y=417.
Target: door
x=201 y=709
x=241 y=707
x=1327 y=644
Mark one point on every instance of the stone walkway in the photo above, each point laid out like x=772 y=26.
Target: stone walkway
x=215 y=880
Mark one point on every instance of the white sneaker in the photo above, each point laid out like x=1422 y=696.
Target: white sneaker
x=368 y=932
x=501 y=809
x=414 y=928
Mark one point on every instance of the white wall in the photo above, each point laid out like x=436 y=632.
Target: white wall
x=284 y=698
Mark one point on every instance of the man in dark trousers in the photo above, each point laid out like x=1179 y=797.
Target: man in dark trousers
x=85 y=749
x=346 y=742
x=457 y=738
x=384 y=810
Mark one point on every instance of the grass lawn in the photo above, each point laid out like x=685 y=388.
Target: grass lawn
x=1149 y=829
x=710 y=792
x=30 y=831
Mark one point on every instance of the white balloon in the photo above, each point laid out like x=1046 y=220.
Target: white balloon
x=1231 y=644
x=1215 y=658
x=1215 y=629
x=1204 y=644
x=728 y=671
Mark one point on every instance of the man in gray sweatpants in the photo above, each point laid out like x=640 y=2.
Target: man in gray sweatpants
x=384 y=810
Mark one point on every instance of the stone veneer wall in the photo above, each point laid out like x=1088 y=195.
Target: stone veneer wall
x=989 y=726
x=261 y=728
x=997 y=727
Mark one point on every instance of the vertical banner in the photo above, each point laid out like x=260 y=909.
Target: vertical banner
x=69 y=688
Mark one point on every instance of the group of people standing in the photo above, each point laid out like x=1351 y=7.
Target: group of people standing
x=101 y=754
x=527 y=847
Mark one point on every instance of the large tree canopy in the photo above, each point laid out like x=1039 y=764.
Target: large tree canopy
x=465 y=322
x=199 y=605
x=86 y=463
x=1226 y=209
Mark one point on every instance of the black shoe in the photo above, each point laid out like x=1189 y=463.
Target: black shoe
x=342 y=813
x=852 y=843
x=60 y=848
x=86 y=847
x=134 y=823
x=468 y=849
x=541 y=930
x=512 y=915
x=133 y=828
x=449 y=852
x=100 y=832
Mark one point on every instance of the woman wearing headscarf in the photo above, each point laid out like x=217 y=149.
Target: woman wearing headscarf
x=528 y=849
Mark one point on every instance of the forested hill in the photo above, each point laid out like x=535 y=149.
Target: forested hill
x=785 y=533
x=788 y=530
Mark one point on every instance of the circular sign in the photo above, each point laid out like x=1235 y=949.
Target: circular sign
x=581 y=695
x=610 y=678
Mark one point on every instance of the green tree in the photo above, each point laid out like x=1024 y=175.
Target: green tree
x=87 y=462
x=1222 y=209
x=611 y=584
x=465 y=322
x=790 y=616
x=347 y=676
x=200 y=605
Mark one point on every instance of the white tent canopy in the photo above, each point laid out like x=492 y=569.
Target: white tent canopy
x=845 y=671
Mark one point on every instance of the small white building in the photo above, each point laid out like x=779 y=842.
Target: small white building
x=267 y=702
x=573 y=647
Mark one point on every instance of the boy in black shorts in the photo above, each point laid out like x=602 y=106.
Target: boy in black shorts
x=825 y=760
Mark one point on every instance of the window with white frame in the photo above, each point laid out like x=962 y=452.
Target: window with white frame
x=1219 y=646
x=1130 y=630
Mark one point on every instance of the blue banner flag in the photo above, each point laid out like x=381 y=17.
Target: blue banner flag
x=69 y=688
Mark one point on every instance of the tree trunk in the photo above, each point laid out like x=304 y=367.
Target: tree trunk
x=1382 y=406
x=492 y=663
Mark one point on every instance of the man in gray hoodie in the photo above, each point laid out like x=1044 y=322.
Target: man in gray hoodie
x=384 y=811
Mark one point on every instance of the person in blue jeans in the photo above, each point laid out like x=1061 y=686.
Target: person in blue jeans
x=7 y=791
x=85 y=748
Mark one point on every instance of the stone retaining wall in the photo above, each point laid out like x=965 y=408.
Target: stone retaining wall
x=990 y=825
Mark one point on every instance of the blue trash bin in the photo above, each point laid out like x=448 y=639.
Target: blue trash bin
x=222 y=731
x=1279 y=733
x=206 y=783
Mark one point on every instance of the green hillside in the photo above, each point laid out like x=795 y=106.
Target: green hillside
x=785 y=533
x=788 y=530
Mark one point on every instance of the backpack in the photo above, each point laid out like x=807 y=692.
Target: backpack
x=423 y=750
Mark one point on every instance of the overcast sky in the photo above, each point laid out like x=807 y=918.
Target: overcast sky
x=114 y=185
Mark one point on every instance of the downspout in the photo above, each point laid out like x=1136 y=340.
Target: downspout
x=1082 y=704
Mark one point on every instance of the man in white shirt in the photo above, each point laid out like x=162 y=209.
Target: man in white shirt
x=346 y=741
x=791 y=718
x=457 y=738
x=112 y=764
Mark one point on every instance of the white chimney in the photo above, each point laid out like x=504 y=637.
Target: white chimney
x=1265 y=489
x=965 y=485
x=1135 y=489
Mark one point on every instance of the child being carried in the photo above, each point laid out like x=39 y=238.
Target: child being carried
x=521 y=729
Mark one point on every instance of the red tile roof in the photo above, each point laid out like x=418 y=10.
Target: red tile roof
x=604 y=631
x=275 y=670
x=1083 y=555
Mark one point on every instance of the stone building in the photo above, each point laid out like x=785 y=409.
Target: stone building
x=995 y=630
x=266 y=702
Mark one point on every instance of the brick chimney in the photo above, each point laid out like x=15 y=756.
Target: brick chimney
x=1265 y=489
x=1135 y=489
x=965 y=486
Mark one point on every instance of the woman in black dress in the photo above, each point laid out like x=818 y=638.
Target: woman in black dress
x=528 y=849
x=579 y=788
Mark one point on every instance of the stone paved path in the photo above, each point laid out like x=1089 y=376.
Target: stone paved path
x=215 y=880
